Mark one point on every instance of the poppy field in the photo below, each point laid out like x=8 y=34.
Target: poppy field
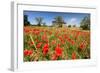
x=52 y=43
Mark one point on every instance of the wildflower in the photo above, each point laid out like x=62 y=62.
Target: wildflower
x=39 y=45
x=77 y=34
x=30 y=52
x=26 y=30
x=58 y=51
x=31 y=43
x=45 y=49
x=27 y=52
x=44 y=37
x=54 y=57
x=73 y=55
x=53 y=42
x=82 y=46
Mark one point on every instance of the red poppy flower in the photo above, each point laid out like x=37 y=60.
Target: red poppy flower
x=44 y=37
x=37 y=32
x=58 y=45
x=28 y=52
x=73 y=55
x=54 y=57
x=31 y=43
x=81 y=46
x=72 y=42
x=39 y=45
x=77 y=34
x=50 y=32
x=53 y=42
x=60 y=38
x=62 y=42
x=36 y=40
x=58 y=51
x=26 y=30
x=45 y=49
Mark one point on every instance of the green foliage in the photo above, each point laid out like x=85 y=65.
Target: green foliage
x=62 y=40
x=26 y=22
x=85 y=23
x=39 y=20
x=69 y=26
x=44 y=24
x=74 y=25
x=58 y=21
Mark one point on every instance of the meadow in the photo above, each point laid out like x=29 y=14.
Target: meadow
x=54 y=43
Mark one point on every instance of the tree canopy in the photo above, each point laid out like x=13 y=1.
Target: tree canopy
x=85 y=23
x=59 y=21
x=26 y=22
x=39 y=20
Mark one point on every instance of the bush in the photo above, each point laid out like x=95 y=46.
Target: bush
x=69 y=26
x=74 y=25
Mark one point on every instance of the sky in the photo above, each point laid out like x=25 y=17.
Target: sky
x=69 y=17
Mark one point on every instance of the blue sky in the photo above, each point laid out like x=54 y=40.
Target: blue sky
x=48 y=17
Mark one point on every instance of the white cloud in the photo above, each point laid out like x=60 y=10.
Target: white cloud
x=73 y=20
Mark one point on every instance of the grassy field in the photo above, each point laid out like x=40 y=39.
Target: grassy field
x=52 y=43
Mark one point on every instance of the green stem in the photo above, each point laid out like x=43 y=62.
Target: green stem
x=33 y=41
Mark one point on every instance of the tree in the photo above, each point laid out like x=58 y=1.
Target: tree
x=44 y=24
x=85 y=23
x=69 y=26
x=58 y=20
x=39 y=20
x=74 y=25
x=26 y=22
